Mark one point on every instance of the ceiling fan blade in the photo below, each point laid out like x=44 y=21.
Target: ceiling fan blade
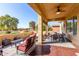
x=59 y=9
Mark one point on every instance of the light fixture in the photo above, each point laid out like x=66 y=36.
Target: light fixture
x=58 y=12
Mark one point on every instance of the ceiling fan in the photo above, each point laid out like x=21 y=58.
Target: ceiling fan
x=59 y=10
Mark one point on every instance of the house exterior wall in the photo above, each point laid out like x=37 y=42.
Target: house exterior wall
x=56 y=29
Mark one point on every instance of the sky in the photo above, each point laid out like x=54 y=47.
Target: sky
x=22 y=11
x=53 y=23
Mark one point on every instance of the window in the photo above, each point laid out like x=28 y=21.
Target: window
x=72 y=25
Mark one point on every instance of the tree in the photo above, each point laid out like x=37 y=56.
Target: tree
x=2 y=23
x=32 y=24
x=44 y=27
x=8 y=23
x=14 y=22
x=49 y=29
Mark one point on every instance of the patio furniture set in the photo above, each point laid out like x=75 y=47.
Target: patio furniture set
x=56 y=37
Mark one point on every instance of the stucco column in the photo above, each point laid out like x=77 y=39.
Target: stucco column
x=78 y=26
x=64 y=26
x=40 y=36
x=40 y=32
x=60 y=27
x=47 y=28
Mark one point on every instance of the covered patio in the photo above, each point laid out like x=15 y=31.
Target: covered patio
x=57 y=12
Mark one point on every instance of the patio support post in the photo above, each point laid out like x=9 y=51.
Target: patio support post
x=47 y=28
x=60 y=28
x=64 y=26
x=40 y=32
x=40 y=35
x=78 y=26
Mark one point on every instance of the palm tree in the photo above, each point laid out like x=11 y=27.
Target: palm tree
x=32 y=24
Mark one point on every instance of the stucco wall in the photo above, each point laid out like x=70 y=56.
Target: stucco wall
x=56 y=29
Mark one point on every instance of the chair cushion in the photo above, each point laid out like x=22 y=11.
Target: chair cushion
x=21 y=48
x=28 y=42
x=25 y=46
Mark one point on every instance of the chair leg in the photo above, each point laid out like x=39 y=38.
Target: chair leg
x=60 y=40
x=11 y=45
x=65 y=39
x=1 y=52
x=17 y=50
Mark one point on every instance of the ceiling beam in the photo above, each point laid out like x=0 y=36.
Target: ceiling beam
x=58 y=19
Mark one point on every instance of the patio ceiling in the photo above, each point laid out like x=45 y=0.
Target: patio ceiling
x=48 y=10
